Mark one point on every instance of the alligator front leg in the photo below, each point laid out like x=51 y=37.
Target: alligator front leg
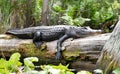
x=37 y=40
x=59 y=46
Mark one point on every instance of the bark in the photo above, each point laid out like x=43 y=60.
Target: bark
x=15 y=17
x=109 y=59
x=45 y=14
x=80 y=53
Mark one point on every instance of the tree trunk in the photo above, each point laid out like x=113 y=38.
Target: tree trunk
x=109 y=59
x=45 y=13
x=15 y=17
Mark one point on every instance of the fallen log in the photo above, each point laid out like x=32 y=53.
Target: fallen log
x=81 y=49
x=88 y=45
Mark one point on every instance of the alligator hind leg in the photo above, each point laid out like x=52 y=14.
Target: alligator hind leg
x=37 y=39
x=59 y=46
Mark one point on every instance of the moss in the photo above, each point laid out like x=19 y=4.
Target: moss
x=107 y=63
x=71 y=55
x=31 y=50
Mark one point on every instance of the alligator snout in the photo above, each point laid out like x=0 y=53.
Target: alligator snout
x=96 y=32
x=87 y=31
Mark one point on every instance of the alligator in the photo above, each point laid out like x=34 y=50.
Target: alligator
x=50 y=33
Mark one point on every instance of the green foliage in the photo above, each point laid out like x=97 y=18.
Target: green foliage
x=116 y=71
x=11 y=65
x=51 y=69
x=74 y=12
x=57 y=7
x=69 y=15
x=79 y=12
x=98 y=71
x=84 y=72
x=7 y=7
x=14 y=64
x=37 y=10
x=28 y=63
x=116 y=5
x=10 y=11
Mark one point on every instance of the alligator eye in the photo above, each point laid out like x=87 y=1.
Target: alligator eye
x=84 y=27
x=87 y=27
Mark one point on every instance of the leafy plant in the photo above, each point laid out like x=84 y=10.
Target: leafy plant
x=116 y=71
x=74 y=12
x=51 y=69
x=37 y=10
x=28 y=63
x=84 y=72
x=98 y=71
x=11 y=65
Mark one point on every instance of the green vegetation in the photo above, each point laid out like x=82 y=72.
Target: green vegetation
x=60 y=69
x=13 y=65
x=25 y=13
x=116 y=71
x=101 y=14
x=28 y=63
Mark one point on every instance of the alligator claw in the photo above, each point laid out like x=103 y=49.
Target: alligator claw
x=58 y=55
x=38 y=44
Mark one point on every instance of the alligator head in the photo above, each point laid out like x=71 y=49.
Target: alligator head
x=86 y=31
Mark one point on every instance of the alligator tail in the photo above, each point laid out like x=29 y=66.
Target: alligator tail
x=21 y=33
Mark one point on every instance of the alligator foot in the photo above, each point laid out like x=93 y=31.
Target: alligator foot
x=38 y=44
x=58 y=55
